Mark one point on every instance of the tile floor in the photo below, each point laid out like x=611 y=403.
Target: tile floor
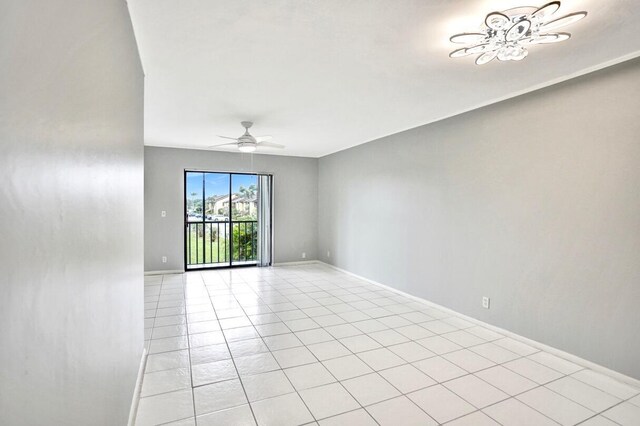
x=310 y=345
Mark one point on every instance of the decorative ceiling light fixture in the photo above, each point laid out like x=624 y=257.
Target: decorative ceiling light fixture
x=506 y=35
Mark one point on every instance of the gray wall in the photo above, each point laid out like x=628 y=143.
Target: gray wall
x=533 y=202
x=295 y=201
x=71 y=246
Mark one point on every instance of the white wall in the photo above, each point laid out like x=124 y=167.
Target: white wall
x=71 y=210
x=295 y=182
x=533 y=202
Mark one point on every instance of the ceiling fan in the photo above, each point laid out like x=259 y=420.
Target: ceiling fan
x=248 y=143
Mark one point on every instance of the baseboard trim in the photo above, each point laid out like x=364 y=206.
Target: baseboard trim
x=164 y=272
x=133 y=411
x=302 y=262
x=550 y=349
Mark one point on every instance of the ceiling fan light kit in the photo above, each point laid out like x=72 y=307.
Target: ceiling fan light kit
x=507 y=35
x=247 y=142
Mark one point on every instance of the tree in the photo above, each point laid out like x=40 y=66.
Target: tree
x=248 y=193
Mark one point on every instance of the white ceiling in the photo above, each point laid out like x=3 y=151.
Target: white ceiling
x=325 y=75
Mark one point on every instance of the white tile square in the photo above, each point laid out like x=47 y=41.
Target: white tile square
x=379 y=359
x=257 y=363
x=318 y=335
x=235 y=322
x=554 y=362
x=352 y=316
x=241 y=333
x=533 y=371
x=439 y=345
x=167 y=361
x=328 y=400
x=468 y=360
x=464 y=338
x=458 y=322
x=328 y=350
x=370 y=389
x=438 y=327
x=213 y=372
x=283 y=410
x=329 y=320
x=203 y=327
x=309 y=375
x=302 y=324
x=282 y=341
x=347 y=367
x=606 y=384
x=406 y=378
x=247 y=347
x=168 y=344
x=266 y=385
x=206 y=339
x=582 y=393
x=440 y=403
x=370 y=326
x=506 y=380
x=388 y=337
x=352 y=418
x=399 y=411
x=484 y=333
x=411 y=351
x=293 y=357
x=360 y=343
x=218 y=396
x=476 y=391
x=165 y=381
x=554 y=406
x=272 y=329
x=624 y=414
x=417 y=317
x=512 y=412
x=291 y=315
x=342 y=330
x=236 y=416
x=439 y=369
x=495 y=353
x=395 y=321
x=204 y=354
x=414 y=332
x=169 y=331
x=165 y=408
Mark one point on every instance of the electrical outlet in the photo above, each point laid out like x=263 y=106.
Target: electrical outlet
x=328 y=253
x=304 y=255
x=163 y=213
x=485 y=302
x=164 y=259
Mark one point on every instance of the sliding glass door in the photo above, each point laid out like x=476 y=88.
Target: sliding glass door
x=221 y=219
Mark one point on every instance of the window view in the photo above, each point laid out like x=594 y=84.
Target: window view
x=221 y=219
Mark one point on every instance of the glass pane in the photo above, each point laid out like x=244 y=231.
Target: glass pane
x=194 y=196
x=244 y=209
x=244 y=199
x=216 y=238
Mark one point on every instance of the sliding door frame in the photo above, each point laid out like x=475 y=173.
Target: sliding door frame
x=230 y=222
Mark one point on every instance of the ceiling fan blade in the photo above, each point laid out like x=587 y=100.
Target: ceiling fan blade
x=270 y=145
x=263 y=138
x=227 y=137
x=223 y=144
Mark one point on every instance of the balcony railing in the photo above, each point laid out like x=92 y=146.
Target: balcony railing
x=212 y=243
